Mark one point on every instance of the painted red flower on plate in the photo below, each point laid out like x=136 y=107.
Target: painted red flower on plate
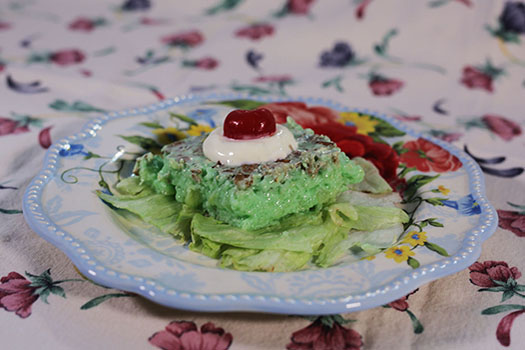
x=301 y=113
x=324 y=121
x=426 y=156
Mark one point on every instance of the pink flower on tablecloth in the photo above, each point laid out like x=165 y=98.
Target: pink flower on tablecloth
x=513 y=221
x=67 y=57
x=299 y=7
x=360 y=10
x=10 y=126
x=185 y=39
x=207 y=63
x=44 y=137
x=505 y=128
x=4 y=25
x=482 y=76
x=474 y=78
x=184 y=335
x=383 y=86
x=82 y=24
x=273 y=79
x=255 y=31
x=408 y=118
x=483 y=274
x=16 y=294
x=319 y=336
x=401 y=304
x=504 y=327
x=148 y=21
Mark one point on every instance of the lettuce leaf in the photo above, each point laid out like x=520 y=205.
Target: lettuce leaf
x=304 y=238
x=270 y=260
x=156 y=209
x=372 y=182
x=369 y=200
x=376 y=218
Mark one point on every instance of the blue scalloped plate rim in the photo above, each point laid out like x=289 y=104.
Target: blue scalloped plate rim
x=467 y=254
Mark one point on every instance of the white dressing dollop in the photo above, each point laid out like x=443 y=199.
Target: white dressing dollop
x=232 y=152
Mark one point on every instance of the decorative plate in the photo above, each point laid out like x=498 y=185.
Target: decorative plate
x=442 y=187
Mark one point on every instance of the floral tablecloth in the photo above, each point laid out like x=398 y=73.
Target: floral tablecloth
x=452 y=69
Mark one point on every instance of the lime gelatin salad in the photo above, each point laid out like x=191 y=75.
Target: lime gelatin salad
x=308 y=205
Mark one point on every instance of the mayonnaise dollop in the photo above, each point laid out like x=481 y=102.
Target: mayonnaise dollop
x=219 y=148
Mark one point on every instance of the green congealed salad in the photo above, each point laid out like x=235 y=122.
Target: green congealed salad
x=312 y=207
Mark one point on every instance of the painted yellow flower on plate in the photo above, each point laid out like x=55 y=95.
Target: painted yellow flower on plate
x=415 y=238
x=445 y=191
x=197 y=130
x=169 y=135
x=365 y=125
x=399 y=253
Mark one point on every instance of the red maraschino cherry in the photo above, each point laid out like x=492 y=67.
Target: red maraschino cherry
x=247 y=125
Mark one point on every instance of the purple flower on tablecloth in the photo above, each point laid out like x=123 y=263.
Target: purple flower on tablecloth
x=383 y=86
x=512 y=19
x=17 y=294
x=84 y=24
x=340 y=55
x=505 y=128
x=67 y=57
x=33 y=87
x=326 y=332
x=136 y=5
x=484 y=274
x=184 y=39
x=513 y=221
x=184 y=335
x=253 y=58
x=255 y=31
